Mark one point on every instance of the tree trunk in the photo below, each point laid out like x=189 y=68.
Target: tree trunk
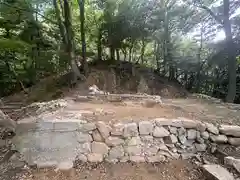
x=118 y=54
x=60 y=23
x=199 y=61
x=81 y=4
x=112 y=52
x=143 y=50
x=70 y=41
x=231 y=54
x=99 y=44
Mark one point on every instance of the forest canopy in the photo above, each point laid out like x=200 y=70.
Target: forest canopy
x=196 y=42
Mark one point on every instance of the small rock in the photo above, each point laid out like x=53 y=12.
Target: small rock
x=151 y=151
x=104 y=129
x=212 y=129
x=232 y=162
x=157 y=158
x=137 y=159
x=97 y=136
x=214 y=171
x=130 y=130
x=219 y=138
x=93 y=157
x=99 y=148
x=234 y=141
x=191 y=134
x=182 y=139
x=160 y=132
x=83 y=148
x=45 y=164
x=124 y=159
x=114 y=141
x=145 y=128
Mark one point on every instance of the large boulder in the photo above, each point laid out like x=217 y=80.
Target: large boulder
x=230 y=130
x=217 y=172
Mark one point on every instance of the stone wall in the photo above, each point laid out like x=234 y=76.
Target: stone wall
x=151 y=141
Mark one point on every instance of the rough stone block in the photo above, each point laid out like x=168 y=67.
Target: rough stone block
x=191 y=134
x=147 y=139
x=205 y=135
x=83 y=148
x=97 y=136
x=145 y=128
x=230 y=130
x=219 y=138
x=117 y=129
x=134 y=141
x=130 y=130
x=87 y=127
x=217 y=172
x=160 y=132
x=103 y=129
x=234 y=141
x=93 y=157
x=116 y=152
x=133 y=150
x=114 y=141
x=82 y=137
x=99 y=148
x=212 y=129
x=201 y=147
x=137 y=159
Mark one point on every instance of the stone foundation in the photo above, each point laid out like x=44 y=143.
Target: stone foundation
x=145 y=141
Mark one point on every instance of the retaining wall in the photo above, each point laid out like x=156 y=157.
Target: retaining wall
x=151 y=141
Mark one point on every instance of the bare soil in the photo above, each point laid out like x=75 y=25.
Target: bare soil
x=174 y=170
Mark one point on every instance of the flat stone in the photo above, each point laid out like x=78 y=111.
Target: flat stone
x=145 y=128
x=97 y=136
x=65 y=126
x=130 y=129
x=219 y=138
x=168 y=122
x=156 y=158
x=103 y=128
x=83 y=137
x=230 y=130
x=116 y=152
x=117 y=129
x=137 y=159
x=234 y=141
x=160 y=132
x=114 y=141
x=217 y=172
x=191 y=134
x=133 y=150
x=133 y=141
x=46 y=164
x=99 y=148
x=212 y=129
x=87 y=127
x=94 y=158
